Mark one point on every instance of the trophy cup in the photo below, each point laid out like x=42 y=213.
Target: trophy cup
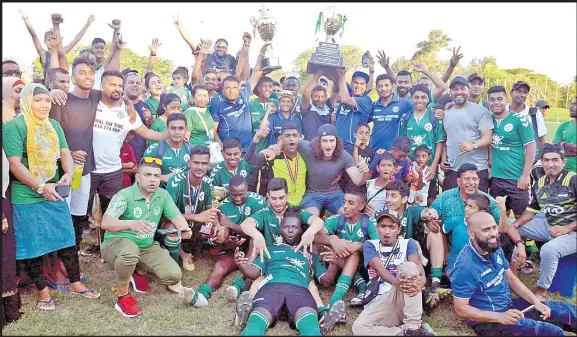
x=217 y=235
x=266 y=26
x=327 y=58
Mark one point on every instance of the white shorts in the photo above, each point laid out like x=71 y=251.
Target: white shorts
x=78 y=199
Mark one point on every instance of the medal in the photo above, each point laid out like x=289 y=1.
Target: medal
x=296 y=171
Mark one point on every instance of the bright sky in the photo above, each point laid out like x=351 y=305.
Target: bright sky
x=537 y=36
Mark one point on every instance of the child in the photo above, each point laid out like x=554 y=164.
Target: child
x=179 y=88
x=128 y=160
x=376 y=194
x=360 y=151
x=417 y=171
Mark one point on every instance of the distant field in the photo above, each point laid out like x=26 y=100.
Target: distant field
x=554 y=117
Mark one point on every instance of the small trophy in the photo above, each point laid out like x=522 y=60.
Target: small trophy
x=266 y=26
x=218 y=236
x=327 y=58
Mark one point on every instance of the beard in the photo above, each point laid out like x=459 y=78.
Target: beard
x=489 y=247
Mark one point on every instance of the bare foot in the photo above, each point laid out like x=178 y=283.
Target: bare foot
x=81 y=289
x=541 y=294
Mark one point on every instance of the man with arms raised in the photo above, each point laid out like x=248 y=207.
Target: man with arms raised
x=355 y=106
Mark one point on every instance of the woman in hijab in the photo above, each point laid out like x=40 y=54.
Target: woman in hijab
x=11 y=87
x=35 y=146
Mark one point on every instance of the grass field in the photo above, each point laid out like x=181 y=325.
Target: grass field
x=555 y=116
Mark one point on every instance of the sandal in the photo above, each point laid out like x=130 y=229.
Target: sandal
x=84 y=293
x=63 y=286
x=50 y=304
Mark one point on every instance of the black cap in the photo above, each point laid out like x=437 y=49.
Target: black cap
x=459 y=80
x=553 y=148
x=476 y=76
x=327 y=130
x=519 y=84
x=128 y=71
x=542 y=104
x=385 y=212
x=446 y=98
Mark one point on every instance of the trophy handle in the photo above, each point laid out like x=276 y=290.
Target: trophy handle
x=253 y=21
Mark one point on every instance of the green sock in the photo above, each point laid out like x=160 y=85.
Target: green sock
x=308 y=324
x=341 y=289
x=173 y=247
x=256 y=325
x=322 y=309
x=360 y=283
x=437 y=273
x=205 y=290
x=239 y=283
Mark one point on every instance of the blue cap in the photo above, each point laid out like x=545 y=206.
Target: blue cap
x=327 y=130
x=361 y=74
x=388 y=213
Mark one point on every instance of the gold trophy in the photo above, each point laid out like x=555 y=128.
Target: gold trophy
x=217 y=234
x=266 y=26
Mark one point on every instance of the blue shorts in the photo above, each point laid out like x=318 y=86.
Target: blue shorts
x=331 y=201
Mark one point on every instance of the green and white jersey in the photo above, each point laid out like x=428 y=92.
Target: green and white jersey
x=421 y=132
x=188 y=199
x=287 y=266
x=510 y=136
x=173 y=160
x=567 y=132
x=410 y=220
x=351 y=232
x=237 y=214
x=269 y=224
x=220 y=175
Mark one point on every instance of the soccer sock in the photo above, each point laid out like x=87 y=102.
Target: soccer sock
x=322 y=309
x=360 y=283
x=173 y=247
x=308 y=325
x=205 y=290
x=239 y=283
x=436 y=274
x=256 y=325
x=341 y=289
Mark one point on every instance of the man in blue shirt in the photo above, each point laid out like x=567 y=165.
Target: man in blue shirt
x=386 y=114
x=354 y=108
x=482 y=284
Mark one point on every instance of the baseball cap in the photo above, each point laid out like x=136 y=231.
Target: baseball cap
x=324 y=79
x=542 y=104
x=446 y=98
x=286 y=93
x=519 y=84
x=474 y=76
x=327 y=130
x=385 y=212
x=459 y=80
x=553 y=148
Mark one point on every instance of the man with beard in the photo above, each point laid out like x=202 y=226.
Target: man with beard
x=233 y=164
x=174 y=151
x=315 y=107
x=11 y=69
x=220 y=60
x=519 y=93
x=404 y=83
x=355 y=107
x=476 y=88
x=260 y=105
x=512 y=153
x=482 y=283
x=469 y=131
x=58 y=78
x=132 y=88
x=554 y=195
x=566 y=135
x=289 y=270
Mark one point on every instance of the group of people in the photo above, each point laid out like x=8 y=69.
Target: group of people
x=285 y=186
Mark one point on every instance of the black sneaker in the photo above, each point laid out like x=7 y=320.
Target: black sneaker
x=333 y=316
x=93 y=250
x=243 y=309
x=419 y=332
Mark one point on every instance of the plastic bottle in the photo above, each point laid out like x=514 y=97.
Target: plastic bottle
x=77 y=177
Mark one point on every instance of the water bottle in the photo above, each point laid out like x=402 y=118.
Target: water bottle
x=77 y=177
x=531 y=248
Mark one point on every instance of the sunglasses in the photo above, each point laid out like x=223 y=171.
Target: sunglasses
x=150 y=160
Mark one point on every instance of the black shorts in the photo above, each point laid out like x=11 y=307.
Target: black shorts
x=451 y=180
x=273 y=296
x=433 y=188
x=517 y=200
x=106 y=185
x=507 y=246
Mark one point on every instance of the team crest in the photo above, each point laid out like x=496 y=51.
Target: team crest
x=497 y=140
x=137 y=212
x=419 y=139
x=247 y=211
x=186 y=209
x=186 y=157
x=428 y=126
x=157 y=211
x=201 y=196
x=508 y=127
x=296 y=262
x=243 y=173
x=120 y=115
x=396 y=109
x=499 y=260
x=360 y=233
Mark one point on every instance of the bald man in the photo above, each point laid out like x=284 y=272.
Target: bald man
x=482 y=284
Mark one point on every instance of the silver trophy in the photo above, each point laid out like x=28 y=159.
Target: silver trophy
x=327 y=57
x=266 y=26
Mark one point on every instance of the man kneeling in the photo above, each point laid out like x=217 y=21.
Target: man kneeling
x=288 y=273
x=130 y=223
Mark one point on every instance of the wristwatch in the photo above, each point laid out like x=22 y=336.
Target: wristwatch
x=40 y=189
x=519 y=242
x=475 y=145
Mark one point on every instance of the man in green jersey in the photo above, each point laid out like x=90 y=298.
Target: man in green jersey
x=173 y=151
x=567 y=136
x=233 y=164
x=289 y=269
x=260 y=105
x=511 y=154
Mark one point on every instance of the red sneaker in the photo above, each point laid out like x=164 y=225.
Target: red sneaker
x=128 y=307
x=139 y=283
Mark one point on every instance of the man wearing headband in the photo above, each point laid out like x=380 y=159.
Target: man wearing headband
x=355 y=107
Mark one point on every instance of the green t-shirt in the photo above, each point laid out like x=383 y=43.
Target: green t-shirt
x=354 y=232
x=220 y=176
x=510 y=136
x=257 y=111
x=188 y=199
x=567 y=132
x=237 y=214
x=409 y=221
x=198 y=135
x=182 y=93
x=129 y=204
x=290 y=267
x=172 y=161
x=14 y=142
x=158 y=125
x=269 y=224
x=421 y=133
x=153 y=104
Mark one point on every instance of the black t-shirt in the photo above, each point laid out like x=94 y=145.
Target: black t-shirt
x=218 y=64
x=312 y=121
x=77 y=120
x=138 y=143
x=367 y=155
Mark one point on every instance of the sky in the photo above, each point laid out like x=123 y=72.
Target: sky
x=537 y=36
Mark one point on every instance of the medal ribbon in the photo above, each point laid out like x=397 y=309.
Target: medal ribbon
x=193 y=211
x=296 y=172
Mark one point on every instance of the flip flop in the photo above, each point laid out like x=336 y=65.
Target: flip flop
x=84 y=293
x=63 y=286
x=50 y=302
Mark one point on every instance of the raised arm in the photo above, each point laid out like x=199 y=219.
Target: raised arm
x=112 y=62
x=384 y=62
x=153 y=49
x=452 y=64
x=306 y=98
x=343 y=91
x=197 y=69
x=55 y=42
x=41 y=52
x=371 y=83
x=243 y=59
x=257 y=72
x=440 y=86
x=193 y=45
x=78 y=36
x=148 y=134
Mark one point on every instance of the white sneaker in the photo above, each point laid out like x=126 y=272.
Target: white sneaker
x=232 y=293
x=358 y=300
x=187 y=295
x=188 y=262
x=176 y=287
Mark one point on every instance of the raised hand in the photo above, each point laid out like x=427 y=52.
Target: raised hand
x=501 y=202
x=55 y=41
x=154 y=46
x=176 y=19
x=456 y=57
x=246 y=38
x=420 y=67
x=120 y=43
x=239 y=258
x=205 y=46
x=383 y=59
x=57 y=19
x=22 y=13
x=341 y=73
x=371 y=62
x=115 y=24
x=91 y=19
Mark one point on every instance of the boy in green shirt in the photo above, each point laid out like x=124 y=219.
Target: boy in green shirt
x=233 y=164
x=567 y=135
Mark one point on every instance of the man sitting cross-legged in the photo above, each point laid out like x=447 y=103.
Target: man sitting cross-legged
x=130 y=223
x=289 y=269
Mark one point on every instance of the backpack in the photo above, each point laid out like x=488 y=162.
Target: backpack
x=162 y=148
x=364 y=225
x=408 y=115
x=533 y=114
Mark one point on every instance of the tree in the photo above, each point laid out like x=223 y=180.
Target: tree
x=428 y=50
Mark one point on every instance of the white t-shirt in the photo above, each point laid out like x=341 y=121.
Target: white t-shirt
x=424 y=191
x=541 y=127
x=97 y=79
x=110 y=129
x=379 y=201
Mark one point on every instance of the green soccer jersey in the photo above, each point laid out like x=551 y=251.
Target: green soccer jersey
x=409 y=221
x=421 y=133
x=269 y=224
x=158 y=125
x=200 y=125
x=237 y=214
x=188 y=199
x=351 y=232
x=257 y=111
x=173 y=161
x=130 y=204
x=153 y=104
x=510 y=136
x=287 y=266
x=567 y=132
x=220 y=176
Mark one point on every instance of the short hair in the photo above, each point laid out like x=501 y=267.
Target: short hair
x=112 y=73
x=208 y=71
x=467 y=167
x=264 y=79
x=399 y=186
x=80 y=60
x=291 y=77
x=200 y=150
x=198 y=87
x=237 y=180
x=175 y=117
x=231 y=143
x=277 y=184
x=49 y=32
x=496 y=89
x=386 y=156
x=148 y=77
x=9 y=61
x=281 y=80
x=230 y=79
x=403 y=144
x=180 y=72
x=404 y=73
x=52 y=73
x=481 y=200
x=383 y=77
x=166 y=99
x=361 y=124
x=276 y=84
x=289 y=126
x=87 y=51
x=98 y=40
x=292 y=212
x=185 y=69
x=152 y=164
x=221 y=40
x=421 y=88
x=359 y=193
x=319 y=87
x=423 y=148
